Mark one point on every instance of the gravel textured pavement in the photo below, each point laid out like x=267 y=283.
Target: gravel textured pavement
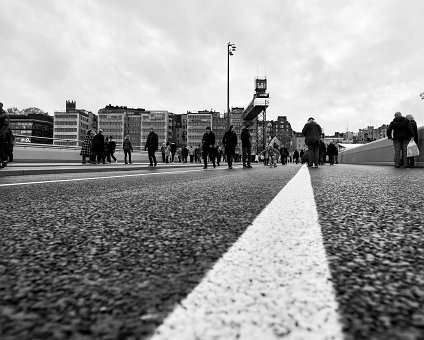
x=372 y=220
x=109 y=258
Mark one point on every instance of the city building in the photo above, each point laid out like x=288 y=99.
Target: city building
x=121 y=121
x=180 y=129
x=162 y=122
x=298 y=141
x=31 y=126
x=71 y=125
x=196 y=126
x=284 y=131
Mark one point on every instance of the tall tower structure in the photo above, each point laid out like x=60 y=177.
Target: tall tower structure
x=256 y=110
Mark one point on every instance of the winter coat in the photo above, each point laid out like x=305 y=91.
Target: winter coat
x=312 y=131
x=208 y=141
x=4 y=123
x=230 y=142
x=152 y=142
x=127 y=146
x=98 y=142
x=331 y=149
x=245 y=138
x=86 y=149
x=112 y=145
x=184 y=152
x=401 y=128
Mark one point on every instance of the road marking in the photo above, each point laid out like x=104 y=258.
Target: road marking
x=273 y=283
x=100 y=177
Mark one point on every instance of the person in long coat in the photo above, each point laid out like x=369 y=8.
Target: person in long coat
x=230 y=142
x=411 y=160
x=99 y=146
x=152 y=144
x=331 y=152
x=87 y=147
x=208 y=141
x=312 y=132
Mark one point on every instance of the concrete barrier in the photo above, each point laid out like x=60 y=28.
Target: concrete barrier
x=379 y=152
x=28 y=154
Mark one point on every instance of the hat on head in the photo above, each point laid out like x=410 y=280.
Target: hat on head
x=208 y=128
x=398 y=114
x=100 y=130
x=310 y=118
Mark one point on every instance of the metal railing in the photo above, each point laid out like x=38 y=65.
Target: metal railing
x=70 y=143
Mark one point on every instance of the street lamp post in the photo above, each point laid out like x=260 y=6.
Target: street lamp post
x=230 y=49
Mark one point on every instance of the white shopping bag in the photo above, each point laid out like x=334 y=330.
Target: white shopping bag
x=412 y=149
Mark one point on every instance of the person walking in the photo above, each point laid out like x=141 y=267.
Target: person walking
x=191 y=153
x=230 y=142
x=208 y=142
x=400 y=131
x=246 y=146
x=411 y=160
x=10 y=144
x=106 y=155
x=127 y=146
x=331 y=152
x=152 y=144
x=112 y=148
x=184 y=154
x=4 y=125
x=296 y=156
x=99 y=146
x=87 y=147
x=312 y=132
x=173 y=147
x=218 y=155
x=163 y=149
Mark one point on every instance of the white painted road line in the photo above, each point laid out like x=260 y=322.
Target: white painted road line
x=273 y=283
x=99 y=177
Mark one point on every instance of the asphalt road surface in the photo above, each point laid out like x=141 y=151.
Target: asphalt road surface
x=124 y=255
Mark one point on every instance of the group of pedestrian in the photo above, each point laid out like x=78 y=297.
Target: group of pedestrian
x=7 y=139
x=96 y=149
x=401 y=131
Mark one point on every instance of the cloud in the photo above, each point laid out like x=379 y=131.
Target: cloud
x=348 y=63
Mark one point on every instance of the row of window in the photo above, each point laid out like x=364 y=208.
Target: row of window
x=65 y=129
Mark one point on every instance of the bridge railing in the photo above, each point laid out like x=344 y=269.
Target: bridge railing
x=379 y=152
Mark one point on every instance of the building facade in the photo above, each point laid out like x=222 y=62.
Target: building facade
x=32 y=127
x=71 y=125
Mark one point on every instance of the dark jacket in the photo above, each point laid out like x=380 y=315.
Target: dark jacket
x=98 y=142
x=127 y=145
x=4 y=123
x=401 y=128
x=332 y=150
x=245 y=138
x=152 y=142
x=230 y=142
x=312 y=131
x=208 y=141
x=112 y=145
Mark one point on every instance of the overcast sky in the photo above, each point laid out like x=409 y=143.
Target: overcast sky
x=347 y=63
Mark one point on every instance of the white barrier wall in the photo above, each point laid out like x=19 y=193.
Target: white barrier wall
x=24 y=154
x=379 y=152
